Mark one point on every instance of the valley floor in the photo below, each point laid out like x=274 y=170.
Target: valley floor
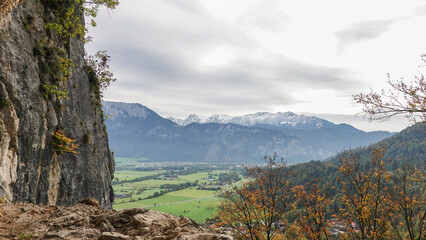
x=182 y=189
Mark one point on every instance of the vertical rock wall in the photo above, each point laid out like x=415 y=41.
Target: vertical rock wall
x=6 y=6
x=30 y=169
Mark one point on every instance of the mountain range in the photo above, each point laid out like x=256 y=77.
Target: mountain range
x=136 y=131
x=287 y=119
x=312 y=130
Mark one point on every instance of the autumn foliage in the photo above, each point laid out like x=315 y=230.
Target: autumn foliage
x=408 y=195
x=366 y=205
x=256 y=209
x=373 y=203
x=63 y=144
x=313 y=203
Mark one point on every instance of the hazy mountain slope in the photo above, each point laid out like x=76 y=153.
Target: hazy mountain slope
x=312 y=130
x=334 y=137
x=136 y=131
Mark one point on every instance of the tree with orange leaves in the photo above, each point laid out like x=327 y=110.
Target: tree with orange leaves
x=312 y=203
x=366 y=204
x=408 y=185
x=256 y=209
x=408 y=194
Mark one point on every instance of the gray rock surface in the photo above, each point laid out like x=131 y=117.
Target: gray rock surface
x=30 y=170
x=87 y=220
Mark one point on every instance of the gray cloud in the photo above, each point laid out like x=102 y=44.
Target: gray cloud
x=193 y=6
x=421 y=11
x=372 y=29
x=359 y=121
x=236 y=87
x=156 y=60
x=266 y=17
x=366 y=30
x=151 y=64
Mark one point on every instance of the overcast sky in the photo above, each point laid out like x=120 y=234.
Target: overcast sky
x=243 y=56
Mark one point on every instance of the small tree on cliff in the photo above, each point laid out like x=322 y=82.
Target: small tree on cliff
x=67 y=22
x=256 y=209
x=99 y=71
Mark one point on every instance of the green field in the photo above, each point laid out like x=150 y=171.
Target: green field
x=196 y=210
x=129 y=161
x=191 y=202
x=171 y=197
x=145 y=194
x=130 y=175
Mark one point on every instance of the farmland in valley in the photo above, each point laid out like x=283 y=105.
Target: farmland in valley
x=182 y=189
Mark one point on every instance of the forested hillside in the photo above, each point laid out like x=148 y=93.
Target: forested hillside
x=408 y=146
x=376 y=192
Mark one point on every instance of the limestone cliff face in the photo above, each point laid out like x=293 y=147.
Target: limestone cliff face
x=6 y=6
x=30 y=169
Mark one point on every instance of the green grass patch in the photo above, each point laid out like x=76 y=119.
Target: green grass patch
x=156 y=183
x=129 y=161
x=164 y=199
x=195 y=204
x=171 y=197
x=128 y=175
x=192 y=192
x=144 y=194
x=191 y=202
x=200 y=176
x=197 y=210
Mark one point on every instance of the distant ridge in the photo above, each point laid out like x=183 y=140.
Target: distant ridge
x=136 y=131
x=310 y=129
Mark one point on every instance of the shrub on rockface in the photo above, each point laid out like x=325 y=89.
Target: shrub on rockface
x=63 y=144
x=66 y=22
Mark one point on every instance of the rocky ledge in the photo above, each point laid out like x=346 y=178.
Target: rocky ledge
x=87 y=220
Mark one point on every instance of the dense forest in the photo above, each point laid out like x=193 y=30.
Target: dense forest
x=374 y=192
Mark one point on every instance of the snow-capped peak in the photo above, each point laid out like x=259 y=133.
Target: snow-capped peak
x=289 y=119
x=192 y=118
x=277 y=119
x=219 y=118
